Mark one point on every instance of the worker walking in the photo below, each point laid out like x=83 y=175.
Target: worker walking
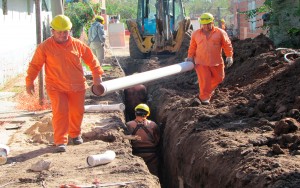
x=147 y=137
x=65 y=82
x=223 y=24
x=206 y=52
x=96 y=38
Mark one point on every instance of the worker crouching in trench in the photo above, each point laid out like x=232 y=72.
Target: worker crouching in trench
x=146 y=138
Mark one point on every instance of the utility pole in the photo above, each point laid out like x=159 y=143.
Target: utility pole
x=238 y=32
x=219 y=17
x=103 y=7
x=57 y=7
x=38 y=7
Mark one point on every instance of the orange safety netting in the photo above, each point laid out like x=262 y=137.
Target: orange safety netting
x=31 y=102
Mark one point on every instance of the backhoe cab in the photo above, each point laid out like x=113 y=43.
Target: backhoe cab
x=161 y=27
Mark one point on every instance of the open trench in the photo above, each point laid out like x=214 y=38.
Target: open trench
x=158 y=103
x=182 y=147
x=188 y=159
x=211 y=146
x=230 y=143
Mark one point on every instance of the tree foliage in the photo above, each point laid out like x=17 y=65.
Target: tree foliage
x=81 y=14
x=215 y=7
x=266 y=7
x=127 y=9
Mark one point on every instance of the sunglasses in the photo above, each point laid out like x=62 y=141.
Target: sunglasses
x=205 y=18
x=141 y=113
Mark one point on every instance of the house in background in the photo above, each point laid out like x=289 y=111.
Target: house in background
x=18 y=35
x=243 y=27
x=283 y=21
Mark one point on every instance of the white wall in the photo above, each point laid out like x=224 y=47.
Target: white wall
x=18 y=38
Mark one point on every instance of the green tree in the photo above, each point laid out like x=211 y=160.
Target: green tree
x=81 y=15
x=196 y=7
x=127 y=9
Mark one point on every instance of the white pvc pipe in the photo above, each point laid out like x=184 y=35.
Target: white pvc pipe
x=104 y=107
x=291 y=53
x=139 y=78
x=107 y=157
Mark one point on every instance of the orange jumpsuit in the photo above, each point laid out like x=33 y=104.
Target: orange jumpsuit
x=147 y=146
x=207 y=55
x=65 y=82
x=223 y=26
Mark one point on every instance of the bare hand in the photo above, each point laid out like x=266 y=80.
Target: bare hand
x=30 y=89
x=137 y=137
x=132 y=137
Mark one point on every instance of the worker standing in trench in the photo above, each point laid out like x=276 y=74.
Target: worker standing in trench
x=65 y=82
x=206 y=52
x=147 y=137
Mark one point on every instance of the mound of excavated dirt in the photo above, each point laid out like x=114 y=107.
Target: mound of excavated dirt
x=232 y=142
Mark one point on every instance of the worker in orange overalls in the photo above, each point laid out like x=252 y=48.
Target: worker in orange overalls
x=223 y=24
x=206 y=52
x=147 y=137
x=65 y=82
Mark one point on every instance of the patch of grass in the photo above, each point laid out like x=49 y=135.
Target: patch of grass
x=13 y=85
x=104 y=67
x=107 y=67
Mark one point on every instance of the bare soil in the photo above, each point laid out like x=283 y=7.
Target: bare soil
x=32 y=143
x=247 y=137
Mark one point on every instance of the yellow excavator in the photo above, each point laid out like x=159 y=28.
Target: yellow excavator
x=160 y=28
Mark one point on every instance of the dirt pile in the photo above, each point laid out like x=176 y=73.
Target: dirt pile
x=232 y=142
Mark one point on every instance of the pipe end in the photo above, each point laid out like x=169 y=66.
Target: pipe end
x=98 y=90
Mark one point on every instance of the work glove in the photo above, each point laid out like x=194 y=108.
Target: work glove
x=229 y=61
x=189 y=59
x=30 y=89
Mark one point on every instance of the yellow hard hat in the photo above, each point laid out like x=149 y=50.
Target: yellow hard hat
x=99 y=19
x=222 y=20
x=206 y=18
x=61 y=23
x=143 y=107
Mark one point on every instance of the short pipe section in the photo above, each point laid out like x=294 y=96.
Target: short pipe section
x=107 y=157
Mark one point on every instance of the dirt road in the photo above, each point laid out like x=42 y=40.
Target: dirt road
x=31 y=142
